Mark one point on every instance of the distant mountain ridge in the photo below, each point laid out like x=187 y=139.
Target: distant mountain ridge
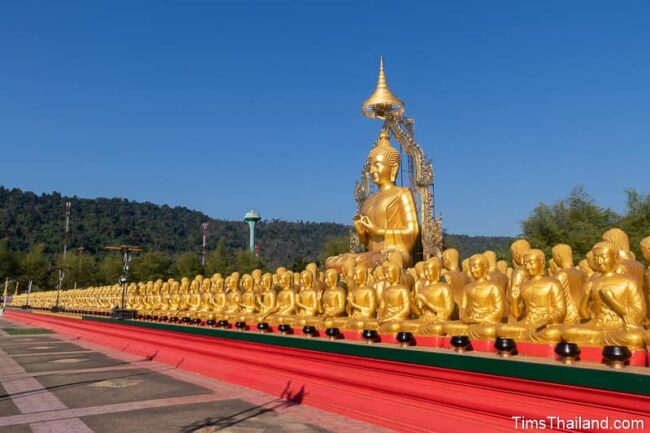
x=27 y=218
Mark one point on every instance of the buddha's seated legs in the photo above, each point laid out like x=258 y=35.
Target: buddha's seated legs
x=548 y=334
x=333 y=322
x=431 y=328
x=516 y=330
x=357 y=323
x=632 y=338
x=205 y=315
x=412 y=325
x=392 y=327
x=486 y=331
x=456 y=327
x=585 y=333
x=280 y=319
x=369 y=324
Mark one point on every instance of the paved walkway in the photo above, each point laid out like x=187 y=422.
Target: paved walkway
x=50 y=384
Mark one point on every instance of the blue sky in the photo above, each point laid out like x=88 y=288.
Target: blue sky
x=224 y=106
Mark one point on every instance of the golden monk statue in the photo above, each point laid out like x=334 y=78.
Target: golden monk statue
x=362 y=302
x=248 y=300
x=572 y=279
x=538 y=304
x=435 y=302
x=267 y=298
x=333 y=301
x=452 y=275
x=482 y=307
x=517 y=274
x=617 y=303
x=387 y=222
x=395 y=303
x=308 y=300
x=283 y=312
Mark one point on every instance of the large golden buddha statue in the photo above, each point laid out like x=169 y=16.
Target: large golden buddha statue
x=387 y=223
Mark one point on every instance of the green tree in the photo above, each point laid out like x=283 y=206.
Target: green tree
x=187 y=265
x=299 y=264
x=8 y=263
x=110 y=269
x=636 y=222
x=35 y=266
x=150 y=266
x=219 y=260
x=245 y=262
x=79 y=268
x=334 y=247
x=576 y=220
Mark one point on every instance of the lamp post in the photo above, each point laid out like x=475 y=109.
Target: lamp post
x=127 y=251
x=204 y=232
x=68 y=205
x=81 y=252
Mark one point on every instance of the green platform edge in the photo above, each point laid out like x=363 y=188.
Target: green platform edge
x=574 y=375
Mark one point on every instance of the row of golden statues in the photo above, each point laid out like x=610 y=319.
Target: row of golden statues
x=602 y=301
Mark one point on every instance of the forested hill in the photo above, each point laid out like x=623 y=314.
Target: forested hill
x=27 y=218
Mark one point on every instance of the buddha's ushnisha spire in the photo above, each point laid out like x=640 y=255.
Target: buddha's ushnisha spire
x=382 y=103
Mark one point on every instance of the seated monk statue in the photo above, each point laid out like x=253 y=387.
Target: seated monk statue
x=517 y=274
x=627 y=263
x=218 y=301
x=618 y=309
x=495 y=275
x=571 y=279
x=333 y=301
x=417 y=272
x=394 y=305
x=387 y=221
x=164 y=301
x=452 y=275
x=205 y=309
x=248 y=300
x=538 y=304
x=435 y=302
x=194 y=301
x=233 y=298
x=285 y=308
x=482 y=307
x=362 y=301
x=175 y=301
x=308 y=300
x=267 y=298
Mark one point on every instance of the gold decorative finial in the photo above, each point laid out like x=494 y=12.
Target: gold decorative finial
x=382 y=103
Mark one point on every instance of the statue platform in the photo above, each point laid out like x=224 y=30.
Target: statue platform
x=415 y=389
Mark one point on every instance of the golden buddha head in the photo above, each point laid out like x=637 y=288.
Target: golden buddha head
x=383 y=161
x=267 y=281
x=206 y=285
x=194 y=286
x=450 y=258
x=393 y=273
x=331 y=278
x=478 y=266
x=313 y=268
x=257 y=275
x=562 y=255
x=464 y=265
x=247 y=282
x=285 y=280
x=491 y=256
x=502 y=266
x=604 y=257
x=518 y=248
x=432 y=269
x=645 y=248
x=419 y=269
x=534 y=262
x=306 y=279
x=361 y=274
x=218 y=284
x=618 y=238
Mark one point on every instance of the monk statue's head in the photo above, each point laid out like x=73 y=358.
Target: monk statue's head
x=534 y=262
x=383 y=161
x=450 y=258
x=478 y=266
x=518 y=248
x=618 y=238
x=645 y=248
x=604 y=257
